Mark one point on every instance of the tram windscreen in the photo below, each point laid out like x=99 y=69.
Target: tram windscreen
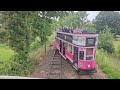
x=90 y=41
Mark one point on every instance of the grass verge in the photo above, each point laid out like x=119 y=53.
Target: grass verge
x=106 y=64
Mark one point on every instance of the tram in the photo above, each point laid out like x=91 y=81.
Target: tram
x=78 y=46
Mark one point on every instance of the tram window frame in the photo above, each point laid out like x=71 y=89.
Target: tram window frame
x=81 y=57
x=95 y=54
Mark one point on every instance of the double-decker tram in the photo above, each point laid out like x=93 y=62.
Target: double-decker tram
x=78 y=47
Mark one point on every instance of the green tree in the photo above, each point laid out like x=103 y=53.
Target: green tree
x=109 y=18
x=43 y=23
x=105 y=40
x=74 y=19
x=89 y=26
x=17 y=25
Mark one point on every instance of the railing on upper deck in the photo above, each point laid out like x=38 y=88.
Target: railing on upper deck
x=76 y=31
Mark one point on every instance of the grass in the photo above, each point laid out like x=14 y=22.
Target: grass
x=116 y=44
x=107 y=65
x=117 y=37
x=5 y=52
x=116 y=54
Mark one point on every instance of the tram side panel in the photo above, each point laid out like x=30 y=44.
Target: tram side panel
x=69 y=55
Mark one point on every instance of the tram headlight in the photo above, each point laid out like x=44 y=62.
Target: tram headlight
x=88 y=65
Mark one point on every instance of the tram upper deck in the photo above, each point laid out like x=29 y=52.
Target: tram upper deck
x=81 y=39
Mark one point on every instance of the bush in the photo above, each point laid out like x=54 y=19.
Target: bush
x=107 y=65
x=17 y=66
x=106 y=40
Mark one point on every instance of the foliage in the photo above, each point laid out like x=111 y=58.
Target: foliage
x=43 y=23
x=15 y=68
x=35 y=44
x=107 y=64
x=42 y=28
x=117 y=49
x=109 y=18
x=106 y=40
x=19 y=30
x=5 y=53
x=18 y=26
x=73 y=19
x=89 y=26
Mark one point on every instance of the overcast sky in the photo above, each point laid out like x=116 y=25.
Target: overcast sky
x=92 y=14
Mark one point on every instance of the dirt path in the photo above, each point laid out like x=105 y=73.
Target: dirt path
x=69 y=72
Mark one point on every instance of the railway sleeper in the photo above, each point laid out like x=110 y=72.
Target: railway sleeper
x=55 y=60
x=55 y=73
x=55 y=67
x=55 y=77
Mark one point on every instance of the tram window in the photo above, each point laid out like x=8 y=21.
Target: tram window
x=57 y=40
x=89 y=58
x=75 y=38
x=96 y=41
x=90 y=41
x=58 y=35
x=69 y=38
x=81 y=55
x=70 y=48
x=89 y=51
x=66 y=45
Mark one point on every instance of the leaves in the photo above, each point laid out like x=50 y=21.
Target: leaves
x=106 y=40
x=109 y=18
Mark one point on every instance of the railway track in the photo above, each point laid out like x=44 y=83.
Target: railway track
x=87 y=75
x=55 y=69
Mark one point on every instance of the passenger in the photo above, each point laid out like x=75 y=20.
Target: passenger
x=75 y=30
x=68 y=30
x=80 y=31
x=65 y=29
x=62 y=29
x=59 y=29
x=71 y=29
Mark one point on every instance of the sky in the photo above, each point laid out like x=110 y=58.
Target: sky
x=92 y=14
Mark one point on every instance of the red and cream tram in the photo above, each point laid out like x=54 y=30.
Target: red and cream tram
x=79 y=48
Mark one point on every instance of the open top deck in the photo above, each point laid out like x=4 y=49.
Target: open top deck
x=83 y=39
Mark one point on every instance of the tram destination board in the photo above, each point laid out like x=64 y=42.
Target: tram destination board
x=90 y=41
